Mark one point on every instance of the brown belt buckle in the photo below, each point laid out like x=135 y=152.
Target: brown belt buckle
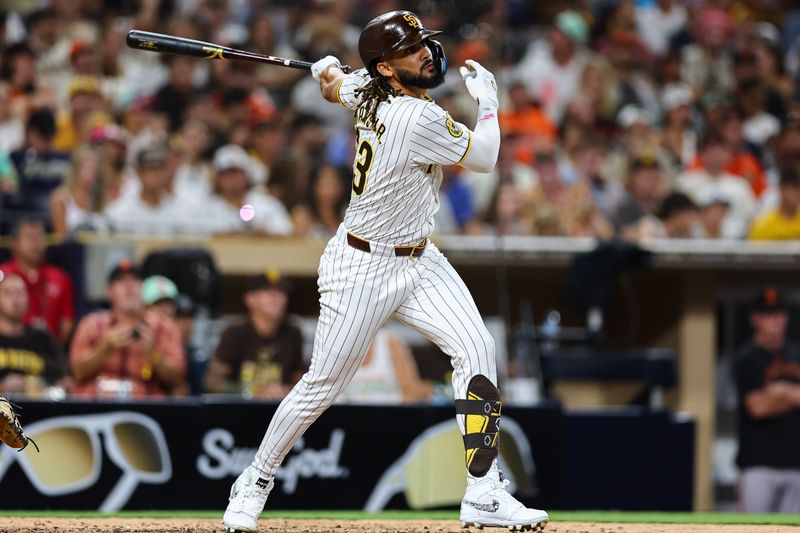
x=418 y=250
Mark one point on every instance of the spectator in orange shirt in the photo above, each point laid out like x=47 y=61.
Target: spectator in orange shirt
x=50 y=302
x=527 y=121
x=126 y=351
x=742 y=161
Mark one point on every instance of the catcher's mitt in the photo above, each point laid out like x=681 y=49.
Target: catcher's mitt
x=10 y=429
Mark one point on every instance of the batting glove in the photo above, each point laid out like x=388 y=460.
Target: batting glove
x=480 y=84
x=320 y=66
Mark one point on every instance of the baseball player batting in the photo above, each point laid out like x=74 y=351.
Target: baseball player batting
x=381 y=265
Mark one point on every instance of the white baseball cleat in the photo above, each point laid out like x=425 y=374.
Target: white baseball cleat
x=487 y=503
x=248 y=496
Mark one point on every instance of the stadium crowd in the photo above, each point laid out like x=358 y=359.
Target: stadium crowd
x=620 y=119
x=648 y=118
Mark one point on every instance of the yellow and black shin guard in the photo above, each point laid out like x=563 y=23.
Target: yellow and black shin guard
x=481 y=412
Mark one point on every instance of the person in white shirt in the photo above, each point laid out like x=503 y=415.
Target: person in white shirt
x=552 y=68
x=712 y=179
x=658 y=21
x=153 y=210
x=192 y=180
x=235 y=206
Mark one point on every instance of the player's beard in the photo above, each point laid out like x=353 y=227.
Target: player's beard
x=421 y=80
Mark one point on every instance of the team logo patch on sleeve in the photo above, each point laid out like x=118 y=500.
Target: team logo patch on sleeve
x=454 y=128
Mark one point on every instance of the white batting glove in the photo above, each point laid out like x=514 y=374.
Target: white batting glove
x=480 y=84
x=320 y=66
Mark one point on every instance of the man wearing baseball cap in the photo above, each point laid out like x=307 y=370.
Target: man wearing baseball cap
x=767 y=373
x=261 y=355
x=236 y=206
x=127 y=350
x=160 y=294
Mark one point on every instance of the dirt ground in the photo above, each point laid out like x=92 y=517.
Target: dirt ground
x=120 y=525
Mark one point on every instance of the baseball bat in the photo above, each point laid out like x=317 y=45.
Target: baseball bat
x=158 y=42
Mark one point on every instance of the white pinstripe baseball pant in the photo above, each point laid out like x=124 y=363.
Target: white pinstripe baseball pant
x=359 y=292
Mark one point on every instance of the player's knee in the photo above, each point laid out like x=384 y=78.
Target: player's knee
x=482 y=346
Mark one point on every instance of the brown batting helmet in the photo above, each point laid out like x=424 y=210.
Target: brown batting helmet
x=388 y=35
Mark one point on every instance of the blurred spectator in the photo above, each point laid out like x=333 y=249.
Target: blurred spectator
x=755 y=66
x=154 y=210
x=78 y=204
x=561 y=209
x=19 y=70
x=678 y=216
x=388 y=375
x=743 y=163
x=40 y=167
x=506 y=214
x=324 y=38
x=707 y=64
x=526 y=121
x=712 y=210
x=589 y=165
x=759 y=126
x=767 y=372
x=30 y=359
x=160 y=295
x=216 y=16
x=85 y=110
x=597 y=95
x=308 y=137
x=8 y=176
x=712 y=178
x=110 y=142
x=192 y=181
x=227 y=210
x=127 y=350
x=261 y=356
x=783 y=222
x=12 y=129
x=637 y=138
x=644 y=191
x=264 y=39
x=173 y=98
x=329 y=193
x=267 y=141
x=50 y=295
x=680 y=137
x=658 y=21
x=551 y=68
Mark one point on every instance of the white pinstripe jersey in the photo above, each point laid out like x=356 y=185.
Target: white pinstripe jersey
x=397 y=169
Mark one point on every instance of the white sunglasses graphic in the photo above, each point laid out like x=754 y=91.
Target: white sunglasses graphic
x=431 y=473
x=71 y=456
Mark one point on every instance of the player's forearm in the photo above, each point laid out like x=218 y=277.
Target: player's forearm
x=329 y=81
x=482 y=153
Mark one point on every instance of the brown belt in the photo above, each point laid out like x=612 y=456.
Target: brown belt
x=400 y=251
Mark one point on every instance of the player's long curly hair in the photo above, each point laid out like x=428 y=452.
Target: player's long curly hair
x=377 y=90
